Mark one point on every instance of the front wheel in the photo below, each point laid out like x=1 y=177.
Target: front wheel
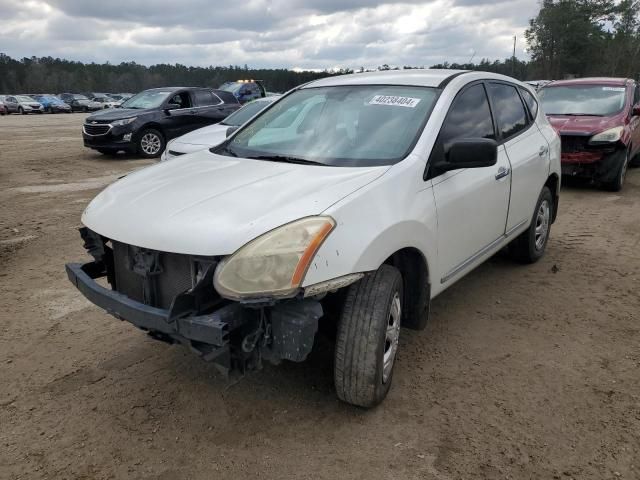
x=367 y=339
x=529 y=247
x=621 y=173
x=21 y=111
x=150 y=143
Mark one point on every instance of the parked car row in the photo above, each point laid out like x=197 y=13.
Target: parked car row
x=61 y=103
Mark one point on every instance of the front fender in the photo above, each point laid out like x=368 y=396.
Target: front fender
x=374 y=223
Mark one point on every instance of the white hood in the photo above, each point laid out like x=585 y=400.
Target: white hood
x=207 y=204
x=207 y=136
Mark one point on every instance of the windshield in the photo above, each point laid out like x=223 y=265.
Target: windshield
x=148 y=99
x=596 y=100
x=231 y=87
x=24 y=98
x=245 y=113
x=342 y=126
x=79 y=97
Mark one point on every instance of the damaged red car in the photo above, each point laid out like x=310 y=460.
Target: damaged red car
x=598 y=120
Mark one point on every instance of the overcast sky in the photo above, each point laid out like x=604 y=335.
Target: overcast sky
x=314 y=34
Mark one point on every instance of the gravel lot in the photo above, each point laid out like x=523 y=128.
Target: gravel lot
x=523 y=372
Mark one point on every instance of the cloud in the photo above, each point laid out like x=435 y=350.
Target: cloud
x=311 y=34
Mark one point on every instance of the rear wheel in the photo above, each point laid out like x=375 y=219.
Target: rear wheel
x=150 y=143
x=529 y=247
x=367 y=338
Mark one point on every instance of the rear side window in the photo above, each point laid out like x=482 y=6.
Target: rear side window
x=468 y=117
x=227 y=97
x=509 y=110
x=204 y=98
x=531 y=102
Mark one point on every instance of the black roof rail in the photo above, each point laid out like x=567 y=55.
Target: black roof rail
x=446 y=81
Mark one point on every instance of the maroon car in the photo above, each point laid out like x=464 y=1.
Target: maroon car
x=598 y=120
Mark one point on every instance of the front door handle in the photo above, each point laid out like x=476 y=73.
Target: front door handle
x=502 y=172
x=543 y=151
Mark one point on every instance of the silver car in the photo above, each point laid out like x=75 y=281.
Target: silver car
x=22 y=104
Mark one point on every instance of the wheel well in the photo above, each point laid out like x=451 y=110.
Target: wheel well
x=154 y=126
x=417 y=289
x=552 y=184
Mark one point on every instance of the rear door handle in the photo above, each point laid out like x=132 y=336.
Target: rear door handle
x=543 y=151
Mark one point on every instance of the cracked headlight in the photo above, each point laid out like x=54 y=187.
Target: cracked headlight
x=123 y=122
x=275 y=263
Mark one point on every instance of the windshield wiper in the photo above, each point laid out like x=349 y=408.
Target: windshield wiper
x=287 y=159
x=578 y=114
x=226 y=149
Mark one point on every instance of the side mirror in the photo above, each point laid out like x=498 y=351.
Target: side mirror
x=635 y=111
x=171 y=106
x=230 y=130
x=469 y=153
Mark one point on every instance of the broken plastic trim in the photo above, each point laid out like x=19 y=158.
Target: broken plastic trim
x=333 y=284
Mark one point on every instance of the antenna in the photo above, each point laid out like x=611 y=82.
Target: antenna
x=513 y=57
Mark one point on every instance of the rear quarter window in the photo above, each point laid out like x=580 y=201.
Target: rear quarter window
x=532 y=103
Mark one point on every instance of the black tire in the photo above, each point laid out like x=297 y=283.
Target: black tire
x=21 y=111
x=361 y=341
x=635 y=160
x=142 y=143
x=617 y=183
x=526 y=248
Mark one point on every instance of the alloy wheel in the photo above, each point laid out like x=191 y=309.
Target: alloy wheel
x=392 y=336
x=151 y=144
x=542 y=224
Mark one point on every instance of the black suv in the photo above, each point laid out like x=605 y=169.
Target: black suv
x=147 y=121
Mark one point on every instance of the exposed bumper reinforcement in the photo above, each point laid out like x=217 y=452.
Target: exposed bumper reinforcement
x=212 y=329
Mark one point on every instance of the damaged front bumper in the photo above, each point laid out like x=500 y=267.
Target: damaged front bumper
x=234 y=335
x=212 y=329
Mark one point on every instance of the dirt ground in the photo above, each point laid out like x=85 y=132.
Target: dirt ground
x=524 y=372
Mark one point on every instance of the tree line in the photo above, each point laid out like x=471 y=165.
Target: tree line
x=567 y=38
x=585 y=38
x=55 y=75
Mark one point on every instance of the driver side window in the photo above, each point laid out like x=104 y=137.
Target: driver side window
x=468 y=117
x=182 y=99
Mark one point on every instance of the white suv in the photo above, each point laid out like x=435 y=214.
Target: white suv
x=361 y=196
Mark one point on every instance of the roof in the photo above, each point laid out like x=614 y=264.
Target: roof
x=590 y=81
x=174 y=89
x=413 y=77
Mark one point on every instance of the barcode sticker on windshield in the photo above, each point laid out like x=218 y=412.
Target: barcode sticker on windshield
x=394 y=101
x=613 y=89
